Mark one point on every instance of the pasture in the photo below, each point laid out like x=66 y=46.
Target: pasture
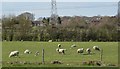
x=70 y=59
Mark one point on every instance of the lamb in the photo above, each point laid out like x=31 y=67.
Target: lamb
x=14 y=53
x=27 y=51
x=73 y=45
x=37 y=53
x=59 y=45
x=61 y=50
x=88 y=50
x=96 y=48
x=50 y=41
x=81 y=50
x=56 y=62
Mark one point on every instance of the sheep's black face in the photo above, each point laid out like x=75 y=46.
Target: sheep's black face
x=98 y=49
x=81 y=51
x=57 y=50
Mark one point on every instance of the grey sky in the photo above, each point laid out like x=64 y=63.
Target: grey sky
x=18 y=8
x=60 y=0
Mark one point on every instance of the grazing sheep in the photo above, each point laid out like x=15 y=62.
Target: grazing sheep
x=14 y=53
x=61 y=50
x=27 y=51
x=56 y=62
x=81 y=50
x=50 y=41
x=37 y=53
x=98 y=63
x=59 y=45
x=73 y=45
x=88 y=50
x=96 y=48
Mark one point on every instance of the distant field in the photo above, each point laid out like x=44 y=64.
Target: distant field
x=70 y=59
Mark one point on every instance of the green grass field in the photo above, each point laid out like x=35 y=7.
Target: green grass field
x=70 y=59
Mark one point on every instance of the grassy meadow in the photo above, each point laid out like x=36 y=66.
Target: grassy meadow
x=70 y=59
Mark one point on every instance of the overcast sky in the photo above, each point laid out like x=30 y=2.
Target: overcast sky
x=60 y=0
x=18 y=8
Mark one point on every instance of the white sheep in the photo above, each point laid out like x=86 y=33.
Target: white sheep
x=50 y=41
x=27 y=51
x=73 y=45
x=61 y=50
x=59 y=45
x=96 y=48
x=37 y=53
x=14 y=53
x=88 y=50
x=81 y=50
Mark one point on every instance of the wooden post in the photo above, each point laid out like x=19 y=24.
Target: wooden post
x=101 y=55
x=43 y=56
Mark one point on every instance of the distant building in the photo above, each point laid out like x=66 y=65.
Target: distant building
x=95 y=19
x=38 y=23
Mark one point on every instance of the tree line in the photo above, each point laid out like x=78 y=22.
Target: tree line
x=74 y=28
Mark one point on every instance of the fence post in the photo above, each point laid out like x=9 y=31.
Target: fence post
x=101 y=55
x=43 y=56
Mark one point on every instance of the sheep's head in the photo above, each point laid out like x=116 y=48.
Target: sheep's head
x=59 y=44
x=57 y=49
